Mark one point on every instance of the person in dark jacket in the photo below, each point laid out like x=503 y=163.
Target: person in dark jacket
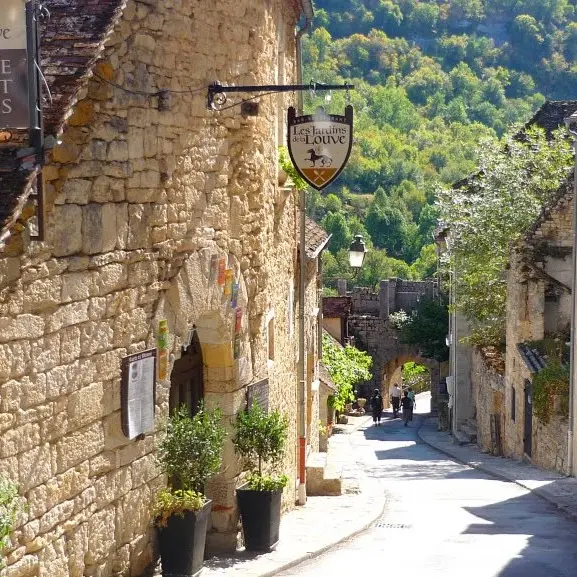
x=407 y=405
x=377 y=407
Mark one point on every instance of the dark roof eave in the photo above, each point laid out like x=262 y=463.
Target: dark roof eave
x=308 y=9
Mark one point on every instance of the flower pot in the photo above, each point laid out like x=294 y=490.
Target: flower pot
x=260 y=516
x=361 y=402
x=181 y=543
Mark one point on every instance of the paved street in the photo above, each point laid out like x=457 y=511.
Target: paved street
x=446 y=519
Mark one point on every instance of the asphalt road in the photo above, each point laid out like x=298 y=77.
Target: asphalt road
x=446 y=519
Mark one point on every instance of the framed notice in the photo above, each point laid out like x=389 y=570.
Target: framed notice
x=258 y=393
x=137 y=393
x=13 y=66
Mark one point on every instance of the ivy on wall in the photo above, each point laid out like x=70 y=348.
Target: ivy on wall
x=347 y=366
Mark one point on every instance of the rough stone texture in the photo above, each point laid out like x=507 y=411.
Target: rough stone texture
x=539 y=266
x=142 y=199
x=489 y=396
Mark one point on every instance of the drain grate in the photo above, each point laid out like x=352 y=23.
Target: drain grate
x=384 y=525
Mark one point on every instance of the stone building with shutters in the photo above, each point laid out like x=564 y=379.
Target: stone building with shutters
x=147 y=195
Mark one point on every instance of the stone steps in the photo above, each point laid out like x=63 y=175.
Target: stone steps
x=323 y=479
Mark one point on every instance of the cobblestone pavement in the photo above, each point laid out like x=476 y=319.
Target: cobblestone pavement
x=444 y=518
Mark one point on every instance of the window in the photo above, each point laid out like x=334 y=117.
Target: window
x=513 y=404
x=270 y=336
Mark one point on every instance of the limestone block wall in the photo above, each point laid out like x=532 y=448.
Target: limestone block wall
x=525 y=322
x=313 y=349
x=140 y=199
x=488 y=388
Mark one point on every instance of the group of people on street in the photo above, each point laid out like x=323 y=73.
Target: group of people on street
x=399 y=399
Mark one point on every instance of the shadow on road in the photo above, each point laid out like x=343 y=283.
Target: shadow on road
x=550 y=549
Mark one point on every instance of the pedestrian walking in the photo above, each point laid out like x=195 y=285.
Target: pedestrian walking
x=407 y=405
x=396 y=400
x=377 y=407
x=412 y=397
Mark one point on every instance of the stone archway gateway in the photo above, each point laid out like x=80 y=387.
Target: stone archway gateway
x=366 y=320
x=391 y=370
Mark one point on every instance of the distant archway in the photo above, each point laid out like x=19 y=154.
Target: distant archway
x=392 y=374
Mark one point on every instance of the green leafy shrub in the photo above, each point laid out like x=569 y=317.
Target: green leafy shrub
x=550 y=383
x=190 y=452
x=11 y=504
x=260 y=440
x=347 y=366
x=175 y=502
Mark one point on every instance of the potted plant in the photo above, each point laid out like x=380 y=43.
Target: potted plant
x=11 y=504
x=189 y=453
x=260 y=440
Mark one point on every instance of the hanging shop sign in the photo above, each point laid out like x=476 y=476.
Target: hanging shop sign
x=13 y=66
x=137 y=393
x=320 y=144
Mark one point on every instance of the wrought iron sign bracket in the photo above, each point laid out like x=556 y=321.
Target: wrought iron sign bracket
x=217 y=92
x=35 y=12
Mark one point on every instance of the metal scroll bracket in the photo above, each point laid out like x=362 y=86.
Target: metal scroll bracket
x=217 y=93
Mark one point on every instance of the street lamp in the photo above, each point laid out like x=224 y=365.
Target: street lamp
x=357 y=252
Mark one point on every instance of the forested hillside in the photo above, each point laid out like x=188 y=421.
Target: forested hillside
x=433 y=80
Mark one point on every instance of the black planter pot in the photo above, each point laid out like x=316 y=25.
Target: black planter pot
x=260 y=516
x=181 y=543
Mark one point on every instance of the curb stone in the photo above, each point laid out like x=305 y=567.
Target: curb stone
x=373 y=493
x=543 y=494
x=317 y=553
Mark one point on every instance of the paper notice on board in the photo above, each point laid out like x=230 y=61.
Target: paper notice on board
x=140 y=393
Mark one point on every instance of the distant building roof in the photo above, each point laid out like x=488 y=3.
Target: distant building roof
x=71 y=40
x=316 y=238
x=325 y=377
x=531 y=357
x=564 y=195
x=334 y=307
x=552 y=114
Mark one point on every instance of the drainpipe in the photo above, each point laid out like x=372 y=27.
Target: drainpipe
x=571 y=123
x=308 y=12
x=302 y=491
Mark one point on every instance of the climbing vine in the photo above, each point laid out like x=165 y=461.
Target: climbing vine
x=550 y=392
x=347 y=366
x=549 y=384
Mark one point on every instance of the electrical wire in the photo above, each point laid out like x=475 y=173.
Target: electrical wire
x=145 y=93
x=189 y=91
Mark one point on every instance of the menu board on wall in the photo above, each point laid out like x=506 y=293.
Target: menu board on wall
x=137 y=393
x=258 y=392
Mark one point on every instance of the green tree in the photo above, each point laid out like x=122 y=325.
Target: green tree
x=336 y=225
x=490 y=213
x=427 y=329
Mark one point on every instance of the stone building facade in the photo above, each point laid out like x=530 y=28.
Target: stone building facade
x=366 y=314
x=148 y=194
x=538 y=306
x=495 y=389
x=489 y=397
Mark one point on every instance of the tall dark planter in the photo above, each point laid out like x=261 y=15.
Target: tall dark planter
x=181 y=543
x=260 y=516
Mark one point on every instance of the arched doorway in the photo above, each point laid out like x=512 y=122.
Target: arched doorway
x=186 y=379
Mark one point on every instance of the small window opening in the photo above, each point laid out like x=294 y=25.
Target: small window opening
x=513 y=404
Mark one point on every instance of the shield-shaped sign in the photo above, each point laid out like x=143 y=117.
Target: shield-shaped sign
x=319 y=144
